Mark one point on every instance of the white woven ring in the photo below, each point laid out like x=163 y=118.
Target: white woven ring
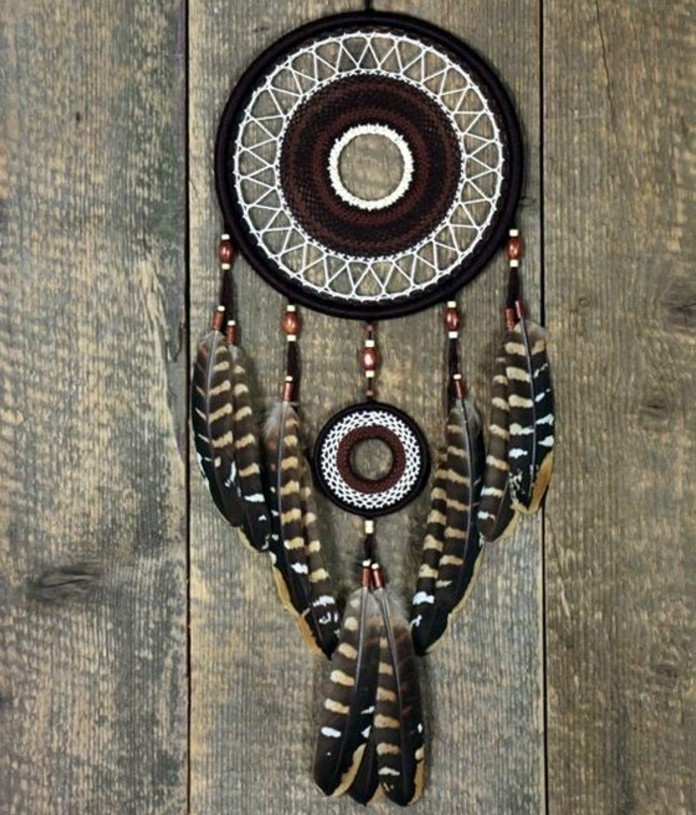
x=344 y=492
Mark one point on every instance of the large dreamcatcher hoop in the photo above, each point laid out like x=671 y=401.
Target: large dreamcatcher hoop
x=290 y=133
x=320 y=90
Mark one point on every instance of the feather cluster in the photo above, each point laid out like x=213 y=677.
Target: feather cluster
x=371 y=738
x=452 y=545
x=300 y=573
x=226 y=437
x=521 y=432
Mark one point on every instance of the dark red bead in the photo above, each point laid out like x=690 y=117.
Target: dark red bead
x=225 y=251
x=514 y=248
x=291 y=323
x=452 y=320
x=370 y=359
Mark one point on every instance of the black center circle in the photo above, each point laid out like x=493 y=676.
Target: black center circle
x=334 y=459
x=369 y=100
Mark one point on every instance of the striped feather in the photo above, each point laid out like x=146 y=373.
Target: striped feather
x=323 y=600
x=365 y=788
x=452 y=543
x=211 y=421
x=465 y=462
x=245 y=474
x=398 y=721
x=287 y=546
x=428 y=620
x=530 y=397
x=496 y=516
x=350 y=696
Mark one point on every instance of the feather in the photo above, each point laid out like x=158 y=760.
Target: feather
x=496 y=516
x=462 y=546
x=365 y=788
x=429 y=621
x=452 y=544
x=245 y=475
x=530 y=397
x=398 y=721
x=321 y=589
x=211 y=420
x=287 y=546
x=350 y=695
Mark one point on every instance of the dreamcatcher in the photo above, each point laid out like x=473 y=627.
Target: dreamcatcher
x=289 y=207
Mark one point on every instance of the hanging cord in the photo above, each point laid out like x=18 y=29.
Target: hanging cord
x=368 y=5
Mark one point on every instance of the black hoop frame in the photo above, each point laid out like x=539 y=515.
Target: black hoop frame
x=470 y=267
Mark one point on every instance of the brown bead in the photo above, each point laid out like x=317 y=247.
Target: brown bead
x=291 y=323
x=287 y=391
x=514 y=248
x=370 y=359
x=225 y=251
x=217 y=319
x=231 y=332
x=452 y=320
x=510 y=318
x=459 y=388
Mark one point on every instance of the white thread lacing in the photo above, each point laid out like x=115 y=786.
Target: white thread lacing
x=304 y=259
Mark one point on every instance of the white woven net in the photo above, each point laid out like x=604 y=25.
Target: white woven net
x=303 y=258
x=364 y=501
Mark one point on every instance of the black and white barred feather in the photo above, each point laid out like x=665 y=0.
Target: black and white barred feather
x=496 y=515
x=398 y=720
x=286 y=468
x=530 y=399
x=211 y=420
x=349 y=703
x=444 y=581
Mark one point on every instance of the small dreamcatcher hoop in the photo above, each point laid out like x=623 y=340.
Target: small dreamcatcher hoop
x=316 y=94
x=410 y=238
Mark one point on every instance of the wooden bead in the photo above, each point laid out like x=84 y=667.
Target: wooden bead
x=225 y=251
x=217 y=320
x=370 y=359
x=452 y=319
x=291 y=323
x=514 y=248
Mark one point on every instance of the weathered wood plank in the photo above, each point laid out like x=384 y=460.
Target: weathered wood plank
x=255 y=689
x=621 y=564
x=93 y=692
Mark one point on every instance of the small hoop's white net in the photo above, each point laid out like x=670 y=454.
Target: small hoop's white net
x=307 y=261
x=374 y=501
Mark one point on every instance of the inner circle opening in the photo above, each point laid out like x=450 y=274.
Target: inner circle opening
x=370 y=166
x=371 y=459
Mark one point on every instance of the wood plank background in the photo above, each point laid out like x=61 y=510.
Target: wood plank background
x=146 y=666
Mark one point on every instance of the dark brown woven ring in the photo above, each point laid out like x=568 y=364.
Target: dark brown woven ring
x=370 y=100
x=371 y=433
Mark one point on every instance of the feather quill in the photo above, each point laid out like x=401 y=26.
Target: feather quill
x=288 y=546
x=350 y=695
x=496 y=516
x=398 y=721
x=530 y=397
x=211 y=420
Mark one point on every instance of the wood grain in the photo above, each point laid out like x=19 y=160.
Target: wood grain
x=255 y=688
x=93 y=691
x=621 y=563
x=94 y=674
